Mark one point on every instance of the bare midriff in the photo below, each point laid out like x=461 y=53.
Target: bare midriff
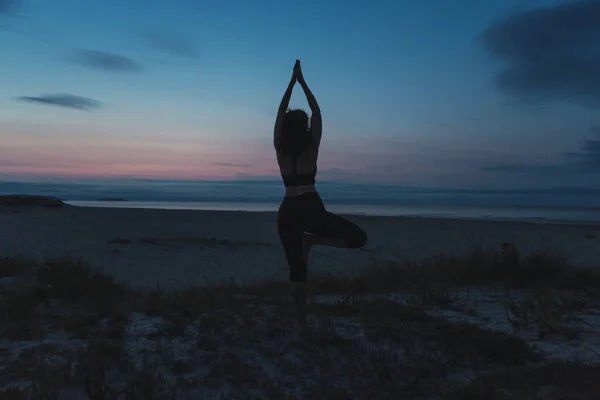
x=294 y=191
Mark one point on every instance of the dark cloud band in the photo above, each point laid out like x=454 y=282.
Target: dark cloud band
x=550 y=53
x=585 y=160
x=106 y=61
x=64 y=100
x=8 y=7
x=230 y=164
x=175 y=44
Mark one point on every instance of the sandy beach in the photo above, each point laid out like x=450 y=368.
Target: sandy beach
x=440 y=334
x=181 y=248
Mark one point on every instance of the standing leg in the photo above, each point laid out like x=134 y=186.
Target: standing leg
x=291 y=234
x=308 y=241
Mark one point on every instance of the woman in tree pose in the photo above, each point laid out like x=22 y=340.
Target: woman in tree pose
x=303 y=221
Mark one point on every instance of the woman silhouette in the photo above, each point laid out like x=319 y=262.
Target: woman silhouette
x=303 y=221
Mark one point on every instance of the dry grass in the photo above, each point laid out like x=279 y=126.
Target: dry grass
x=73 y=282
x=551 y=311
x=65 y=293
x=237 y=342
x=119 y=240
x=9 y=266
x=509 y=268
x=18 y=314
x=460 y=343
x=555 y=380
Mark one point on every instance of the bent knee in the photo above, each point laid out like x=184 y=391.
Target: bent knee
x=358 y=240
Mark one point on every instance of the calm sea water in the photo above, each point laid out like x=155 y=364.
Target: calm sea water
x=568 y=205
x=462 y=212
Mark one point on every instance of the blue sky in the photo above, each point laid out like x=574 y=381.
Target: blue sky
x=434 y=93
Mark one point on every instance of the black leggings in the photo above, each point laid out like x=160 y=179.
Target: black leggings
x=307 y=213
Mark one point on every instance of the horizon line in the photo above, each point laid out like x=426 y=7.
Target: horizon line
x=92 y=181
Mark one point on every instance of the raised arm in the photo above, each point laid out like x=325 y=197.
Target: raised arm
x=283 y=106
x=316 y=123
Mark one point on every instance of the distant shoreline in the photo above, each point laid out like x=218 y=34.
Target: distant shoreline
x=111 y=199
x=458 y=213
x=25 y=200
x=333 y=203
x=528 y=214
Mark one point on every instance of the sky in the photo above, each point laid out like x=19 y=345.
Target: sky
x=434 y=93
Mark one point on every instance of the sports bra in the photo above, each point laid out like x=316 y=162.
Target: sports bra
x=296 y=179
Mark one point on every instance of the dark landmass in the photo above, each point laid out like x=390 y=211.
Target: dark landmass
x=23 y=200
x=111 y=199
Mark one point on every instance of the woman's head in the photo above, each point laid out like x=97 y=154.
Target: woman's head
x=295 y=121
x=296 y=136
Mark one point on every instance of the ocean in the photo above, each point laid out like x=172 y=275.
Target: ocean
x=550 y=205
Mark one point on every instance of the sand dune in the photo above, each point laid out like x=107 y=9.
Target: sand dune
x=180 y=248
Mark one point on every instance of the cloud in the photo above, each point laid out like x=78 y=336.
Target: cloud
x=64 y=100
x=541 y=170
x=228 y=164
x=7 y=7
x=584 y=161
x=107 y=61
x=550 y=53
x=588 y=157
x=8 y=163
x=177 y=44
